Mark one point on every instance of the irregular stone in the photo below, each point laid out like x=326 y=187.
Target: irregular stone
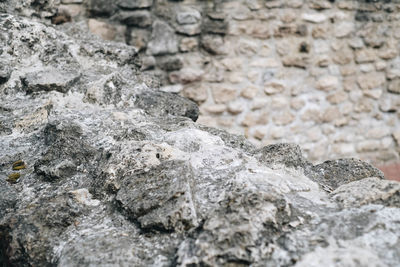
x=223 y=93
x=337 y=98
x=281 y=154
x=215 y=108
x=327 y=83
x=159 y=103
x=163 y=39
x=283 y=118
x=5 y=72
x=367 y=191
x=314 y=17
x=214 y=26
x=298 y=61
x=50 y=79
x=394 y=86
x=170 y=63
x=371 y=80
x=101 y=7
x=134 y=4
x=139 y=38
x=172 y=208
x=334 y=173
x=141 y=18
x=102 y=29
x=186 y=75
x=188 y=15
x=344 y=29
x=273 y=88
x=249 y=92
x=365 y=55
x=188 y=44
x=213 y=44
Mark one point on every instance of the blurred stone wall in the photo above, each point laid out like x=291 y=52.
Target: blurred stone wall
x=323 y=74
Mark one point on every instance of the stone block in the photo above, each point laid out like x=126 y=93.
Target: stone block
x=327 y=83
x=283 y=118
x=273 y=88
x=365 y=55
x=140 y=18
x=186 y=75
x=163 y=39
x=215 y=108
x=188 y=44
x=314 y=17
x=102 y=29
x=223 y=93
x=337 y=97
x=394 y=86
x=213 y=44
x=139 y=38
x=134 y=4
x=196 y=92
x=344 y=29
x=371 y=80
x=187 y=15
x=250 y=92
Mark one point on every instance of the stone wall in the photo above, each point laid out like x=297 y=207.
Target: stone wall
x=323 y=74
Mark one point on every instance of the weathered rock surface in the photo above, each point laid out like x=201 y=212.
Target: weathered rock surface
x=112 y=172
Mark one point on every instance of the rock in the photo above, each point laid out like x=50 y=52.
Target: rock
x=394 y=86
x=334 y=173
x=186 y=75
x=314 y=17
x=214 y=26
x=197 y=93
x=371 y=80
x=50 y=79
x=134 y=4
x=223 y=94
x=366 y=191
x=365 y=55
x=172 y=208
x=188 y=15
x=170 y=63
x=112 y=171
x=101 y=7
x=327 y=83
x=213 y=44
x=188 y=44
x=140 y=18
x=139 y=39
x=163 y=39
x=344 y=29
x=161 y=103
x=288 y=155
x=102 y=29
x=5 y=72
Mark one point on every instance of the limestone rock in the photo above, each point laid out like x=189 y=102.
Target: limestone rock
x=116 y=172
x=161 y=103
x=135 y=4
x=163 y=39
x=51 y=79
x=139 y=18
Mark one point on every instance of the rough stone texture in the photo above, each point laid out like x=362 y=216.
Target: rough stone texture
x=326 y=54
x=112 y=172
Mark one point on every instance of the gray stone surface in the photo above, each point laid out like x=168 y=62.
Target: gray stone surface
x=163 y=39
x=117 y=173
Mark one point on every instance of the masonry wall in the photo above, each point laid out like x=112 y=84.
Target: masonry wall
x=322 y=74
